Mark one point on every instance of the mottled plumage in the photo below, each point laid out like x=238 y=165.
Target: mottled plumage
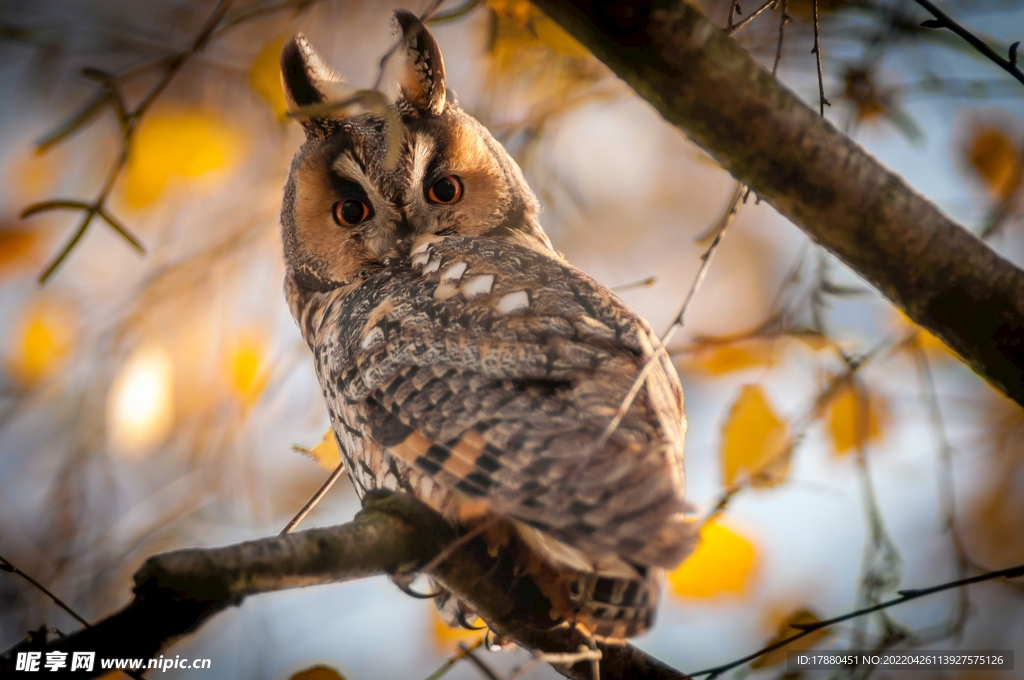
x=464 y=361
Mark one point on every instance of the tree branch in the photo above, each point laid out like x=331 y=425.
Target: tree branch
x=177 y=592
x=943 y=20
x=701 y=81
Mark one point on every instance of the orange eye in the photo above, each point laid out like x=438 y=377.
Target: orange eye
x=446 y=190
x=350 y=213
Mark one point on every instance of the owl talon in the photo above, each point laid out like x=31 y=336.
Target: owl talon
x=460 y=616
x=418 y=595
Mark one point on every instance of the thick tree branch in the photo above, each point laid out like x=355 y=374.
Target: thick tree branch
x=176 y=592
x=703 y=82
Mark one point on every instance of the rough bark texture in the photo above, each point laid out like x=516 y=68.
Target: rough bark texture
x=176 y=592
x=703 y=82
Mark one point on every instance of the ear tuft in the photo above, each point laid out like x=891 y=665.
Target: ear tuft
x=422 y=76
x=303 y=76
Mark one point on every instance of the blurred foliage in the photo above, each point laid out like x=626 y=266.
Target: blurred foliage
x=265 y=78
x=326 y=453
x=856 y=419
x=724 y=563
x=756 y=442
x=446 y=637
x=186 y=143
x=786 y=630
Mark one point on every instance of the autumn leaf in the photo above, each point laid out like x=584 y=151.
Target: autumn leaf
x=855 y=418
x=265 y=78
x=786 y=630
x=871 y=104
x=522 y=31
x=326 y=453
x=723 y=563
x=319 y=672
x=183 y=143
x=756 y=443
x=246 y=370
x=717 y=358
x=42 y=338
x=996 y=160
x=17 y=247
x=446 y=638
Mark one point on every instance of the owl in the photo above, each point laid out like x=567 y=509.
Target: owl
x=463 y=360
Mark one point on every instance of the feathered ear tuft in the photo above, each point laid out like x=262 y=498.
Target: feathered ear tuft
x=303 y=76
x=422 y=74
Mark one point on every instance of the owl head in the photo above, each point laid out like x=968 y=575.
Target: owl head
x=361 y=184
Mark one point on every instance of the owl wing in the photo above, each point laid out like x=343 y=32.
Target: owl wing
x=495 y=369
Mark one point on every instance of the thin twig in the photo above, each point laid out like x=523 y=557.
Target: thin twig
x=782 y=37
x=8 y=566
x=454 y=13
x=471 y=656
x=643 y=283
x=816 y=51
x=314 y=499
x=905 y=596
x=943 y=20
x=770 y=4
x=454 y=659
x=947 y=488
x=676 y=324
x=734 y=8
x=130 y=122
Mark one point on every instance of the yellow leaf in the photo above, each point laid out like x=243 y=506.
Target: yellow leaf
x=326 y=453
x=17 y=246
x=447 y=638
x=247 y=375
x=722 y=358
x=723 y=563
x=265 y=78
x=319 y=672
x=996 y=159
x=43 y=338
x=855 y=419
x=786 y=629
x=756 y=443
x=522 y=31
x=184 y=143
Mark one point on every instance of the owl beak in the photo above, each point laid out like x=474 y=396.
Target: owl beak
x=405 y=228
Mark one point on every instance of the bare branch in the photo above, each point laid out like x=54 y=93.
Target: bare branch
x=8 y=566
x=943 y=20
x=940 y=274
x=177 y=592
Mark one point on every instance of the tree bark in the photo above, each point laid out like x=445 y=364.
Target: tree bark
x=177 y=592
x=704 y=83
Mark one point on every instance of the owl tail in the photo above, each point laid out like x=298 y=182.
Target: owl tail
x=614 y=607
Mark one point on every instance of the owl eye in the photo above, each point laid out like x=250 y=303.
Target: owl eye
x=446 y=190
x=350 y=213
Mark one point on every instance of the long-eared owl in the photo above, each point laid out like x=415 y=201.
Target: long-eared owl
x=463 y=360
